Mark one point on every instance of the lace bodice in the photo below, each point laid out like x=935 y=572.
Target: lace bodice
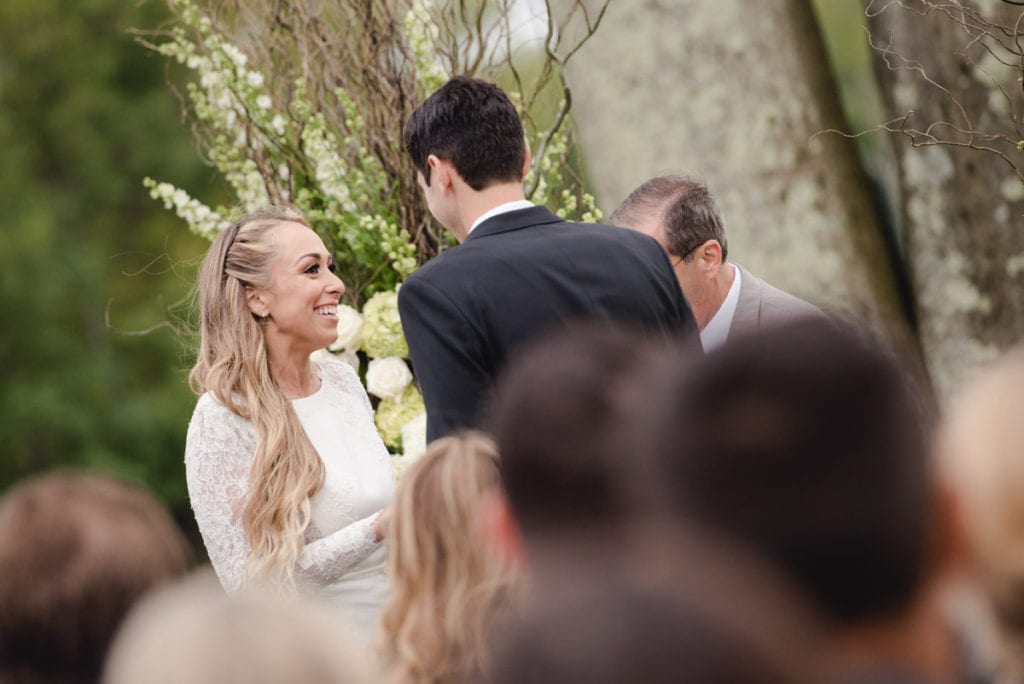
x=359 y=481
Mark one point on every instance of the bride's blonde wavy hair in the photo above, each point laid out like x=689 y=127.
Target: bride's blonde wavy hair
x=232 y=365
x=447 y=586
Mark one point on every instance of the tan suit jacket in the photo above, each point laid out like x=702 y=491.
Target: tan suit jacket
x=762 y=306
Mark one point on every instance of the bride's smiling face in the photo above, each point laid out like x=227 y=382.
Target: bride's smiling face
x=300 y=307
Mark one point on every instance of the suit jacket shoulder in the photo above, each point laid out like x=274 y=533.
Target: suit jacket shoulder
x=515 y=276
x=762 y=306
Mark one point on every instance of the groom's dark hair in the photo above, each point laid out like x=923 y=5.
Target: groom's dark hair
x=472 y=124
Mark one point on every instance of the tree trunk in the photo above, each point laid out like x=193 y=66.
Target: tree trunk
x=962 y=207
x=736 y=93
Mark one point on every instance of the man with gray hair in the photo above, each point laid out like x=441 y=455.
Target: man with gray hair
x=681 y=214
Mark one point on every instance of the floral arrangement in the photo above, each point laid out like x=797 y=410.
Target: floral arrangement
x=285 y=121
x=376 y=335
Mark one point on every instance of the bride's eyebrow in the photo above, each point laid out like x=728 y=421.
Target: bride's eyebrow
x=314 y=255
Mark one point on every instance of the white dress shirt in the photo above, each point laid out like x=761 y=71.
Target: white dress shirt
x=514 y=205
x=716 y=331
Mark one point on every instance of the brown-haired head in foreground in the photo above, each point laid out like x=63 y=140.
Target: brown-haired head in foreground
x=448 y=584
x=194 y=632
x=76 y=552
x=551 y=415
x=807 y=444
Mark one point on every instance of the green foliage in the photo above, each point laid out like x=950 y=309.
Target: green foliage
x=84 y=112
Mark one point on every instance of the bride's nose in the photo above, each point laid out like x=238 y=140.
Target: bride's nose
x=336 y=285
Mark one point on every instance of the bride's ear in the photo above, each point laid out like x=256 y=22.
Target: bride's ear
x=255 y=299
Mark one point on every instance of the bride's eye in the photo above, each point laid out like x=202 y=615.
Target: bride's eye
x=313 y=268
x=332 y=267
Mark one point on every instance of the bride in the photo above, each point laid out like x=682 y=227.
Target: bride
x=288 y=478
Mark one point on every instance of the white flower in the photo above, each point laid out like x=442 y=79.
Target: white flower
x=414 y=436
x=255 y=79
x=263 y=101
x=388 y=377
x=350 y=329
x=210 y=79
x=278 y=123
x=236 y=55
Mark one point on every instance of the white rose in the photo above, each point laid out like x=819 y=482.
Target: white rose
x=350 y=329
x=387 y=377
x=414 y=437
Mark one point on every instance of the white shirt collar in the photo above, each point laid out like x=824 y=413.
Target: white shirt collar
x=514 y=205
x=716 y=331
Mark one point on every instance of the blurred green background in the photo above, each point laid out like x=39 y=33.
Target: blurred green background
x=88 y=261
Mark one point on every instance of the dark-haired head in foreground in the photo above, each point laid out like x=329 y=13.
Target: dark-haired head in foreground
x=807 y=445
x=684 y=611
x=555 y=406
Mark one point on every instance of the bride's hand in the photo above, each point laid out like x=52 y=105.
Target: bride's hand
x=381 y=524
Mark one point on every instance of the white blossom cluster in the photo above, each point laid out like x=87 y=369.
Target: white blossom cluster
x=421 y=33
x=200 y=218
x=340 y=183
x=551 y=178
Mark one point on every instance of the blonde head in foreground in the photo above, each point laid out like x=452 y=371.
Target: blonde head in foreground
x=982 y=450
x=195 y=633
x=447 y=585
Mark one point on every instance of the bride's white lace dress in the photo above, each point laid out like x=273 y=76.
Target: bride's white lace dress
x=341 y=557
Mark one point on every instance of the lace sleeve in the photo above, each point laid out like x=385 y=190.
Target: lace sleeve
x=325 y=560
x=218 y=452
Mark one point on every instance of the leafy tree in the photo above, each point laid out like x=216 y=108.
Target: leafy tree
x=86 y=254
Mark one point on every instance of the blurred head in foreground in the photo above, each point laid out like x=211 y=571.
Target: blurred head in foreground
x=447 y=584
x=807 y=445
x=982 y=450
x=554 y=408
x=193 y=632
x=76 y=552
x=685 y=612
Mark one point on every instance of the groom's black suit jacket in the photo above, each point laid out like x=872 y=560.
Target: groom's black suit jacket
x=514 y=276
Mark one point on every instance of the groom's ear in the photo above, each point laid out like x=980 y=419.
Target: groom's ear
x=527 y=158
x=440 y=172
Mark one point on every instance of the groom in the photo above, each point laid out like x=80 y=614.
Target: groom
x=520 y=269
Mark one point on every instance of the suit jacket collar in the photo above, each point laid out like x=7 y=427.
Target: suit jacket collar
x=513 y=220
x=748 y=309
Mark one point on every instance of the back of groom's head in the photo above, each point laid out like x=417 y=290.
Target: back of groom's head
x=805 y=443
x=472 y=124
